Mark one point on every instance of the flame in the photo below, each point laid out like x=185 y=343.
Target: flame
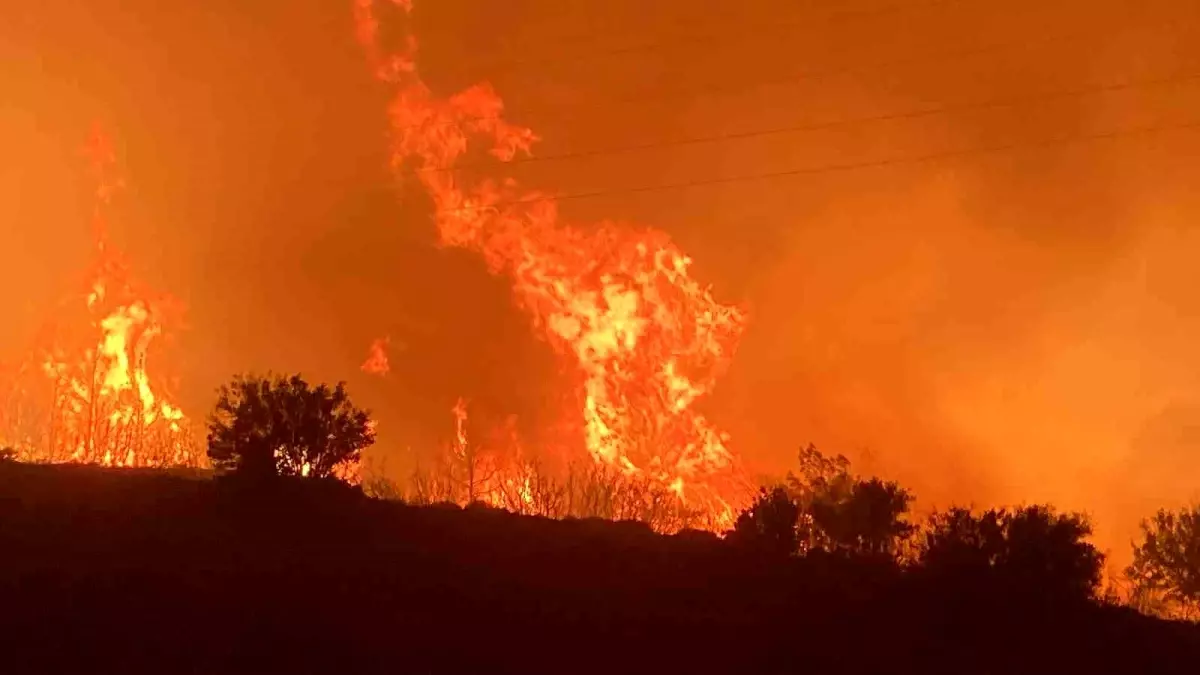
x=460 y=425
x=85 y=393
x=645 y=340
x=377 y=358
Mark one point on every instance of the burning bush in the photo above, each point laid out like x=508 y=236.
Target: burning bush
x=85 y=392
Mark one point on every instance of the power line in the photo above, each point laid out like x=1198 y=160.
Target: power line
x=776 y=22
x=821 y=126
x=776 y=25
x=856 y=166
x=642 y=96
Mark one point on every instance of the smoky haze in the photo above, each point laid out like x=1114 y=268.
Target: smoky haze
x=1007 y=326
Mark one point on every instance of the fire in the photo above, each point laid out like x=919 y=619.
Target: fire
x=377 y=358
x=643 y=339
x=85 y=393
x=460 y=424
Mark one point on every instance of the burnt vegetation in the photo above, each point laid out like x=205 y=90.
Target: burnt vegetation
x=272 y=568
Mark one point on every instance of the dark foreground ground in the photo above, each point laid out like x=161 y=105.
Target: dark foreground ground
x=108 y=571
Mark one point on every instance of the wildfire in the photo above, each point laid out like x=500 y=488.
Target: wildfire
x=377 y=358
x=645 y=341
x=84 y=393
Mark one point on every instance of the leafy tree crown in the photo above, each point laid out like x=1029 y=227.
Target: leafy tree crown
x=284 y=426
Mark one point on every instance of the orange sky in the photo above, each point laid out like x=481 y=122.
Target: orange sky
x=1012 y=326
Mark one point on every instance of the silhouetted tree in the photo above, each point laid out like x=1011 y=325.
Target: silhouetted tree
x=769 y=525
x=464 y=472
x=1167 y=560
x=1030 y=547
x=867 y=521
x=8 y=455
x=819 y=476
x=1047 y=548
x=959 y=540
x=283 y=426
x=843 y=512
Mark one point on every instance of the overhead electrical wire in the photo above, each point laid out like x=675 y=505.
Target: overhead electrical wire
x=763 y=30
x=1076 y=139
x=991 y=104
x=1004 y=102
x=658 y=94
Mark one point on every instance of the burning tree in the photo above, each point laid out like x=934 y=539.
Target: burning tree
x=642 y=340
x=85 y=392
x=497 y=471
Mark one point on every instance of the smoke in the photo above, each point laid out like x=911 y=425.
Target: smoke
x=1000 y=327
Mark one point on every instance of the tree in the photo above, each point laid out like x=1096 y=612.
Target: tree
x=869 y=520
x=844 y=512
x=820 y=477
x=959 y=540
x=464 y=473
x=8 y=454
x=282 y=426
x=769 y=525
x=1167 y=560
x=1030 y=547
x=1050 y=549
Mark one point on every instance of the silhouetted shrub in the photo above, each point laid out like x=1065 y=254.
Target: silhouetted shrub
x=769 y=525
x=282 y=426
x=1029 y=549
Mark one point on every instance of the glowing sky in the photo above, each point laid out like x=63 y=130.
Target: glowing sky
x=1013 y=326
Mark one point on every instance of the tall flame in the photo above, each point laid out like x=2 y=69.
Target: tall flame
x=84 y=393
x=645 y=340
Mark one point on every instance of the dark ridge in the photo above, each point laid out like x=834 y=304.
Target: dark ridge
x=155 y=572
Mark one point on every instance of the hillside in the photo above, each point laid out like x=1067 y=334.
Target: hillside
x=121 y=571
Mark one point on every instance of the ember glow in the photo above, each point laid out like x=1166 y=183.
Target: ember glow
x=643 y=340
x=85 y=392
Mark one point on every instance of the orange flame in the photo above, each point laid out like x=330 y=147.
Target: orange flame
x=377 y=358
x=85 y=394
x=646 y=340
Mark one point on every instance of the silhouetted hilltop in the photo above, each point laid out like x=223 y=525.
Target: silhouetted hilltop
x=129 y=571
